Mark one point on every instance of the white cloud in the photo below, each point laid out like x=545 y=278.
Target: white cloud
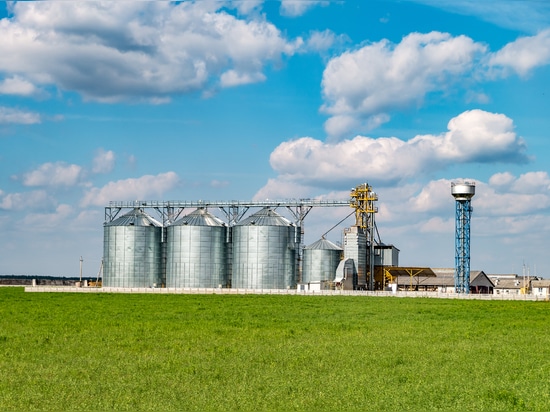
x=17 y=86
x=104 y=161
x=527 y=183
x=46 y=221
x=472 y=137
x=522 y=55
x=233 y=78
x=294 y=8
x=281 y=188
x=38 y=199
x=10 y=115
x=118 y=50
x=381 y=76
x=321 y=41
x=246 y=6
x=141 y=188
x=434 y=197
x=53 y=174
x=437 y=225
x=503 y=179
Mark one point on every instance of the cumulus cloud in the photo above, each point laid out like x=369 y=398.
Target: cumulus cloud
x=246 y=6
x=114 y=51
x=294 y=8
x=53 y=174
x=474 y=136
x=527 y=183
x=321 y=41
x=46 y=221
x=233 y=78
x=17 y=86
x=382 y=76
x=38 y=199
x=141 y=188
x=104 y=161
x=10 y=115
x=282 y=188
x=522 y=55
x=434 y=197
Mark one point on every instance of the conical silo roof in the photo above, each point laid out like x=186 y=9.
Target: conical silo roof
x=323 y=244
x=199 y=217
x=265 y=217
x=136 y=217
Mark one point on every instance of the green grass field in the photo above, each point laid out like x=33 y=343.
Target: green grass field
x=65 y=351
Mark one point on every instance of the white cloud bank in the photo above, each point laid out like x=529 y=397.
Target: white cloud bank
x=34 y=200
x=53 y=174
x=11 y=115
x=110 y=51
x=142 y=188
x=474 y=136
x=362 y=87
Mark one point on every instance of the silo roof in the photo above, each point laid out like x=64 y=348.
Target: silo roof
x=199 y=217
x=136 y=217
x=323 y=244
x=265 y=217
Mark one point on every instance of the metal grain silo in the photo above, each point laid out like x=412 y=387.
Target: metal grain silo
x=196 y=252
x=132 y=251
x=264 y=252
x=320 y=261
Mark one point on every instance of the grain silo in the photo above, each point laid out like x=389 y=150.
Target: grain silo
x=196 y=252
x=264 y=252
x=320 y=261
x=132 y=251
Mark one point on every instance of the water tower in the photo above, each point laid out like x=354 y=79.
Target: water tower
x=463 y=193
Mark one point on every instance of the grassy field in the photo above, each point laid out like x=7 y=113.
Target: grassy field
x=63 y=351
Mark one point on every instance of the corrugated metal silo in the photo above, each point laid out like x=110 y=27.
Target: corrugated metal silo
x=264 y=252
x=320 y=261
x=196 y=252
x=132 y=251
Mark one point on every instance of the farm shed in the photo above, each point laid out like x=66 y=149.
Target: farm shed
x=444 y=282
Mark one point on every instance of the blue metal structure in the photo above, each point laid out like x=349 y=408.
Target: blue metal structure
x=463 y=193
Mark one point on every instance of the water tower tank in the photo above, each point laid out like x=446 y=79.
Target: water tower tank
x=196 y=252
x=132 y=251
x=320 y=261
x=463 y=190
x=264 y=252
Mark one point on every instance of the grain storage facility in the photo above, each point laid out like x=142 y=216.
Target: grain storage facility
x=196 y=252
x=132 y=251
x=265 y=247
x=253 y=249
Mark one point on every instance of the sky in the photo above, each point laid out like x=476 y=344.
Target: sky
x=268 y=99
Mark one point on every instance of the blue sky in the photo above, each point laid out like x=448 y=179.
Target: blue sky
x=224 y=100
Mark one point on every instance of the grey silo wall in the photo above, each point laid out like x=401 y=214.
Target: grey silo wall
x=320 y=264
x=264 y=257
x=132 y=256
x=196 y=257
